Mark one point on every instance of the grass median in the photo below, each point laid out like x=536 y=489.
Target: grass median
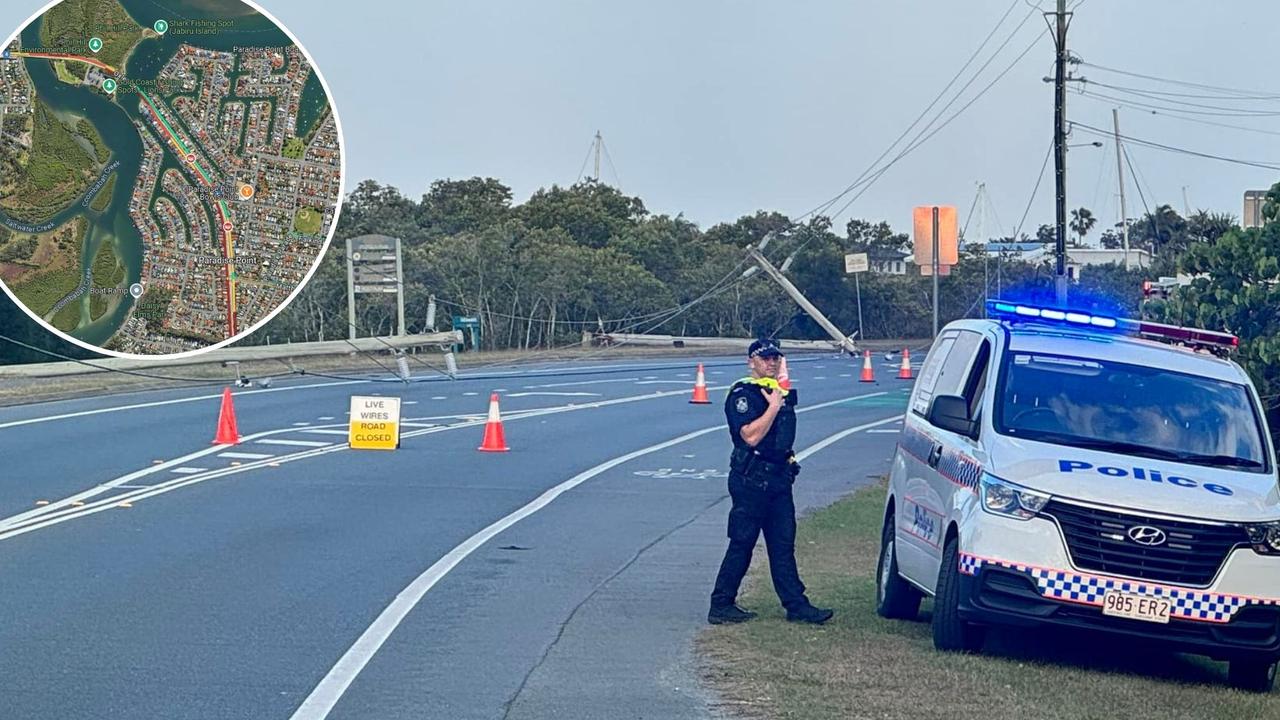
x=862 y=666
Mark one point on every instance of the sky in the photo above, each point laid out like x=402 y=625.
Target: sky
x=718 y=108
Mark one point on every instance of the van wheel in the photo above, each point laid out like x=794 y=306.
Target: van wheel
x=949 y=631
x=1252 y=675
x=895 y=598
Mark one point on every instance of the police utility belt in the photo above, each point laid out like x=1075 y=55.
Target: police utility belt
x=752 y=464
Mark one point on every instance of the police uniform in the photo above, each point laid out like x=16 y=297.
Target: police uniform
x=760 y=480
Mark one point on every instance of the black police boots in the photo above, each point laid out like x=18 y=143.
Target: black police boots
x=728 y=614
x=810 y=614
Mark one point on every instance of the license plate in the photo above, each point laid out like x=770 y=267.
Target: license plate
x=1136 y=607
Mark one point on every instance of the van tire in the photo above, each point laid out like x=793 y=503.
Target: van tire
x=896 y=598
x=950 y=632
x=1252 y=675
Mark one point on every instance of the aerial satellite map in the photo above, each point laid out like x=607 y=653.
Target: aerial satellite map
x=170 y=174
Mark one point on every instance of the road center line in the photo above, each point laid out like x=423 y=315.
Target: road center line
x=334 y=685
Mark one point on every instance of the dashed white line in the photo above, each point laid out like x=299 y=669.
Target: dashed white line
x=326 y=417
x=244 y=456
x=293 y=443
x=301 y=424
x=319 y=431
x=188 y=470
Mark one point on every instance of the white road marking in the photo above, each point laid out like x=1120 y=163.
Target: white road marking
x=66 y=509
x=888 y=432
x=321 y=701
x=583 y=382
x=820 y=377
x=800 y=456
x=188 y=470
x=846 y=375
x=294 y=443
x=439 y=397
x=326 y=417
x=244 y=455
x=160 y=403
x=556 y=394
x=662 y=382
x=409 y=402
x=301 y=424
x=417 y=425
x=469 y=394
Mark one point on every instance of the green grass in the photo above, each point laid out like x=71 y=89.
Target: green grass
x=58 y=172
x=43 y=290
x=294 y=148
x=97 y=307
x=65 y=75
x=862 y=666
x=69 y=25
x=103 y=198
x=68 y=318
x=308 y=221
x=107 y=272
x=89 y=131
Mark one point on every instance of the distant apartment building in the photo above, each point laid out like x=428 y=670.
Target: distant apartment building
x=1253 y=202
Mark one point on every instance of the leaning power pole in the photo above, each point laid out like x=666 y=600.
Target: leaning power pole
x=1060 y=147
x=1124 y=220
x=844 y=341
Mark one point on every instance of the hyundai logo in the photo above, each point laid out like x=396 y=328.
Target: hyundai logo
x=1147 y=535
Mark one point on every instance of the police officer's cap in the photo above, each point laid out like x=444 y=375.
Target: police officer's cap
x=764 y=347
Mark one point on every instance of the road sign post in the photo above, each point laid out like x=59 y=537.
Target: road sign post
x=855 y=264
x=374 y=266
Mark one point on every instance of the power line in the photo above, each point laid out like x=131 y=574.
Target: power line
x=937 y=98
x=1184 y=106
x=1018 y=232
x=1196 y=96
x=1173 y=114
x=1184 y=83
x=1174 y=149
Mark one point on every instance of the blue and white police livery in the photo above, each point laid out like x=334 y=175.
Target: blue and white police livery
x=1064 y=468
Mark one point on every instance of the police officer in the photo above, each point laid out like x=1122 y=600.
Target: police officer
x=762 y=425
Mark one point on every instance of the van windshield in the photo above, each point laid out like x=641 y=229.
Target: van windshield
x=1136 y=410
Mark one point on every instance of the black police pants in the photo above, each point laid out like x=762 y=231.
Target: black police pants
x=761 y=506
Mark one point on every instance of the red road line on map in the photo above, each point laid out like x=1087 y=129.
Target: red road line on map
x=66 y=56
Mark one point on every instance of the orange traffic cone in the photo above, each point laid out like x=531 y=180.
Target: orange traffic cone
x=226 y=433
x=784 y=379
x=868 y=375
x=494 y=439
x=700 y=389
x=904 y=373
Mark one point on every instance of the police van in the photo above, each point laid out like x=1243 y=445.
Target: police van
x=1069 y=469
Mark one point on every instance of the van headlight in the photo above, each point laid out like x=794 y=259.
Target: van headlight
x=1265 y=537
x=1004 y=498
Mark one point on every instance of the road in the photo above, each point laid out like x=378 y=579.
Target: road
x=151 y=574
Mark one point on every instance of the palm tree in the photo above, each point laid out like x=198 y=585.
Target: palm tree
x=1082 y=221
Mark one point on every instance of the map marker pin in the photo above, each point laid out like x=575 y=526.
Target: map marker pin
x=135 y=290
x=95 y=44
x=161 y=26
x=109 y=85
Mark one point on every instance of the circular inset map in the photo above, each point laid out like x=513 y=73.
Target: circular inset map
x=170 y=173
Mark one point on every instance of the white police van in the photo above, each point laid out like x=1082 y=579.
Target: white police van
x=1068 y=469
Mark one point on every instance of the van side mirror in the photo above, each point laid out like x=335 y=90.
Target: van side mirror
x=951 y=412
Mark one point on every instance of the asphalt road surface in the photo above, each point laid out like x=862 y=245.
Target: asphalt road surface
x=150 y=574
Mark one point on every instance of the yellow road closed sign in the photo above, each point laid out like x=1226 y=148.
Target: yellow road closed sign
x=375 y=423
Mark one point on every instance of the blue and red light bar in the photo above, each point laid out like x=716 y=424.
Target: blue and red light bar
x=1021 y=312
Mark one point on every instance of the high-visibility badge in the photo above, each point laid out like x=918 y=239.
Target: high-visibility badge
x=375 y=423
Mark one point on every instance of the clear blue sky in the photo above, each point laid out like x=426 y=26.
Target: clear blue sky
x=718 y=108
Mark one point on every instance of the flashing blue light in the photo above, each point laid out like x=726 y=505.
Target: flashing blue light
x=1052 y=314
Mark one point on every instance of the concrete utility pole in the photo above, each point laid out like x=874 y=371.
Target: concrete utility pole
x=1060 y=148
x=935 y=271
x=763 y=263
x=1124 y=221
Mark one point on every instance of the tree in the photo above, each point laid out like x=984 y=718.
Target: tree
x=454 y=206
x=878 y=238
x=1082 y=221
x=1205 y=226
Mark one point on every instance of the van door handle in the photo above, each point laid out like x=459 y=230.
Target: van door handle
x=935 y=456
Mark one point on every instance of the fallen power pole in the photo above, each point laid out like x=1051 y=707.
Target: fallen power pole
x=845 y=342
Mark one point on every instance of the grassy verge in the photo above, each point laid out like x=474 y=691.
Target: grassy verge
x=862 y=666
